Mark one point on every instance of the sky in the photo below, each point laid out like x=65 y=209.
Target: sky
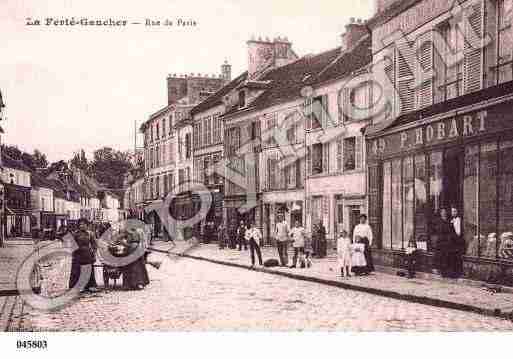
x=68 y=88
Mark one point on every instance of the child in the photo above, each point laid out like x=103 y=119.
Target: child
x=344 y=253
x=358 y=257
x=411 y=259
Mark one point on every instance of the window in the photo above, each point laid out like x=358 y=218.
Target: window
x=157 y=156
x=242 y=99
x=421 y=206
x=272 y=170
x=387 y=203
x=317 y=158
x=206 y=173
x=158 y=133
x=188 y=148
x=217 y=178
x=471 y=195
x=505 y=41
x=180 y=149
x=170 y=124
x=488 y=196
x=317 y=112
x=151 y=132
x=397 y=205
x=195 y=135
x=350 y=154
x=206 y=133
x=218 y=130
x=163 y=128
x=408 y=199
x=452 y=85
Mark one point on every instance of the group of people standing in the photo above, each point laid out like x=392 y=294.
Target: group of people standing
x=243 y=236
x=89 y=241
x=355 y=254
x=449 y=244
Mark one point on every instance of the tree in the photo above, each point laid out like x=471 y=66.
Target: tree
x=80 y=161
x=39 y=158
x=12 y=151
x=109 y=166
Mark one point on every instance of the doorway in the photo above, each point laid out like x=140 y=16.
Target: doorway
x=354 y=218
x=452 y=179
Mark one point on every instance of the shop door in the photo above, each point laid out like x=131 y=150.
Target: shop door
x=354 y=218
x=452 y=179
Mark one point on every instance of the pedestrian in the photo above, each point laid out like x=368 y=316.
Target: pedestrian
x=445 y=235
x=457 y=245
x=298 y=236
x=84 y=255
x=232 y=235
x=358 y=262
x=322 y=244
x=282 y=238
x=222 y=236
x=411 y=257
x=253 y=236
x=241 y=236
x=344 y=253
x=364 y=231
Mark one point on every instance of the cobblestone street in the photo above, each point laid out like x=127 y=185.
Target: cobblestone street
x=195 y=295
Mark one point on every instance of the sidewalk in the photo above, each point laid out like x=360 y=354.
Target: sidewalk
x=438 y=293
x=11 y=256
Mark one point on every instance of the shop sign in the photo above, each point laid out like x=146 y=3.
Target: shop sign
x=443 y=131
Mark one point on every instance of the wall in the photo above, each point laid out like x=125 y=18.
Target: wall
x=20 y=178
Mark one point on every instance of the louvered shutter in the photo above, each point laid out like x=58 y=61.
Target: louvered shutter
x=424 y=68
x=473 y=61
x=359 y=152
x=326 y=158
x=389 y=82
x=340 y=105
x=325 y=112
x=340 y=162
x=346 y=101
x=405 y=76
x=308 y=113
x=309 y=160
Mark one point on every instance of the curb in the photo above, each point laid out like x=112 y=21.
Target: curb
x=497 y=313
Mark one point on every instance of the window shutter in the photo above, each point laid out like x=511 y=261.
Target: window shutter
x=405 y=76
x=340 y=105
x=339 y=154
x=326 y=158
x=292 y=169
x=425 y=67
x=325 y=112
x=347 y=116
x=308 y=113
x=473 y=61
x=359 y=152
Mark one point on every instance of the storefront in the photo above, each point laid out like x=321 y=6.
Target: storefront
x=290 y=208
x=460 y=159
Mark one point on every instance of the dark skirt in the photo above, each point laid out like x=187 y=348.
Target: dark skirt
x=135 y=275
x=75 y=275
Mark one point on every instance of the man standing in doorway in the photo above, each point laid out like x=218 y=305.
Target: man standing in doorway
x=457 y=245
x=282 y=237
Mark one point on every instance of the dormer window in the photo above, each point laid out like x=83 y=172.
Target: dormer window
x=242 y=99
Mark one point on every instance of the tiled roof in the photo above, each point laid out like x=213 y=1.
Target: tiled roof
x=390 y=12
x=9 y=162
x=39 y=181
x=216 y=99
x=287 y=81
x=349 y=61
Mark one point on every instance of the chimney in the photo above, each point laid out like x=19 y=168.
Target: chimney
x=355 y=30
x=226 y=71
x=276 y=53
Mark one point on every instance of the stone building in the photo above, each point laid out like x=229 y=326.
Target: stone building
x=449 y=139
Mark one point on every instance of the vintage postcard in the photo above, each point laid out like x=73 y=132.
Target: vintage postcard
x=177 y=166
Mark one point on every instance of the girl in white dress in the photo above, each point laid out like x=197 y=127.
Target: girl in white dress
x=344 y=253
x=358 y=256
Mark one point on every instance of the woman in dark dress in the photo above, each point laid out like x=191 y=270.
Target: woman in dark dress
x=135 y=274
x=84 y=255
x=446 y=234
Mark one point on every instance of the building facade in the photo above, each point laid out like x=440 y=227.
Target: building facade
x=448 y=142
x=168 y=152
